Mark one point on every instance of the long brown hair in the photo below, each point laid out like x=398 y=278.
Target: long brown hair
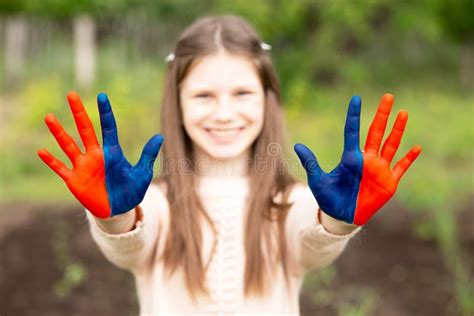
x=265 y=244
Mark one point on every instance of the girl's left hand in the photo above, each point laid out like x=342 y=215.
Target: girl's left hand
x=363 y=181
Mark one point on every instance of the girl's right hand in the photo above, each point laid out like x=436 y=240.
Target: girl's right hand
x=101 y=178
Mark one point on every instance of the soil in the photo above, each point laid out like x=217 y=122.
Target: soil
x=38 y=244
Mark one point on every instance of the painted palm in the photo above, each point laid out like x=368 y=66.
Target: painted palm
x=363 y=181
x=101 y=178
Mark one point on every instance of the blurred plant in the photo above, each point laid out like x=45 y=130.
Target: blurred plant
x=365 y=303
x=317 y=284
x=350 y=301
x=74 y=273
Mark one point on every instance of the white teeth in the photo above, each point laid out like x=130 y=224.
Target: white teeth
x=223 y=133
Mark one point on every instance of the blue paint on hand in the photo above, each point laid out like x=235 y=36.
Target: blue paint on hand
x=336 y=192
x=126 y=184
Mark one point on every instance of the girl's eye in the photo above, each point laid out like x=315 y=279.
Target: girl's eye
x=243 y=93
x=203 y=95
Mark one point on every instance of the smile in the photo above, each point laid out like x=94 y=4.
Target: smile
x=224 y=135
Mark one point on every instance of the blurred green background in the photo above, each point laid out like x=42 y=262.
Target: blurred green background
x=324 y=51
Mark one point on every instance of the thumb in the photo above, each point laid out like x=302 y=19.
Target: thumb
x=149 y=153
x=308 y=160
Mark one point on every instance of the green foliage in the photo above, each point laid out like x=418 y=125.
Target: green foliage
x=162 y=10
x=11 y=7
x=62 y=8
x=456 y=19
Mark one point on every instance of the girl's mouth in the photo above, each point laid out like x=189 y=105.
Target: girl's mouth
x=224 y=135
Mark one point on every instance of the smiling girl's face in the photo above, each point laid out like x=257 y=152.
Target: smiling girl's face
x=222 y=100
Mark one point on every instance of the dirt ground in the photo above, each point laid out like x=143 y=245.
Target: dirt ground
x=39 y=243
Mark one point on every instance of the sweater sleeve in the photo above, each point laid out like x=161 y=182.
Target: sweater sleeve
x=132 y=249
x=311 y=246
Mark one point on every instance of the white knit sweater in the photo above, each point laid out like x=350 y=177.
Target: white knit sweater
x=310 y=246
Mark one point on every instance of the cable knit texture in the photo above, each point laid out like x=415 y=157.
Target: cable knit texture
x=310 y=246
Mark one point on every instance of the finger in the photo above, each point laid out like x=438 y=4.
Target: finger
x=56 y=165
x=392 y=143
x=352 y=127
x=150 y=152
x=83 y=123
x=377 y=128
x=107 y=121
x=65 y=141
x=403 y=164
x=308 y=160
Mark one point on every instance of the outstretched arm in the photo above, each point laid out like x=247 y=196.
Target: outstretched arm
x=107 y=185
x=314 y=238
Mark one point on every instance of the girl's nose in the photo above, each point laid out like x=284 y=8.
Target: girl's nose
x=224 y=110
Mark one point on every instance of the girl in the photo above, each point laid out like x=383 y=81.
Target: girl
x=226 y=228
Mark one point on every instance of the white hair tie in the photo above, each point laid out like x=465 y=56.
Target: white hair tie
x=265 y=46
x=169 y=58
